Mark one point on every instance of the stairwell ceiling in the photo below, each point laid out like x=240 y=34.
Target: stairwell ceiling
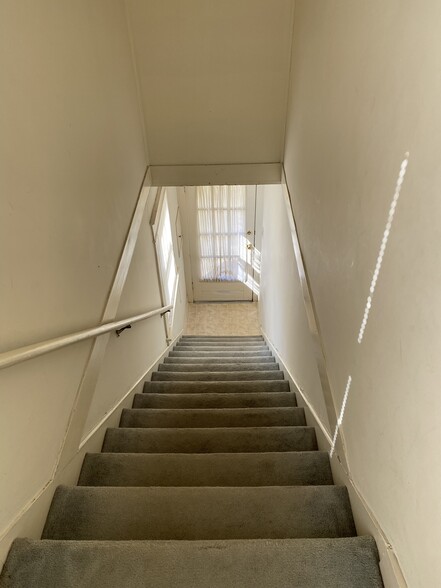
x=213 y=78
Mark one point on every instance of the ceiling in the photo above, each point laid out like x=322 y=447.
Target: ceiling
x=214 y=77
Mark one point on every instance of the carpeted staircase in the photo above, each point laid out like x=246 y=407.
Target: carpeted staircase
x=212 y=480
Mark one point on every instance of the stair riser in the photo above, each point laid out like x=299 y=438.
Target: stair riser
x=267 y=469
x=255 y=386
x=241 y=440
x=208 y=400
x=230 y=367
x=220 y=376
x=199 y=513
x=201 y=418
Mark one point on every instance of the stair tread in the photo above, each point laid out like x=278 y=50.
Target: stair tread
x=133 y=513
x=213 y=399
x=258 y=563
x=206 y=440
x=211 y=469
x=223 y=367
x=225 y=387
x=212 y=417
x=220 y=360
x=220 y=376
x=219 y=348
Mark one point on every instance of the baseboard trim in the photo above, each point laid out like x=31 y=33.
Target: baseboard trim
x=289 y=376
x=129 y=394
x=30 y=520
x=365 y=520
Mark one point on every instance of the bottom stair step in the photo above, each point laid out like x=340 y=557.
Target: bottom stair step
x=291 y=563
x=210 y=469
x=270 y=512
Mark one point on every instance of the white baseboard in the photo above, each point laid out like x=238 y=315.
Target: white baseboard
x=365 y=520
x=29 y=522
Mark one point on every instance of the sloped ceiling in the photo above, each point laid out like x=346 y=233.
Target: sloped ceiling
x=214 y=77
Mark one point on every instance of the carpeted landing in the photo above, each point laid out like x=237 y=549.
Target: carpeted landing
x=212 y=480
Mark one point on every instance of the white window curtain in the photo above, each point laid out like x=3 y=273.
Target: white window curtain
x=221 y=219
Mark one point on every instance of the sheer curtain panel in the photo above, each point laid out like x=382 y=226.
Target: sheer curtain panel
x=221 y=220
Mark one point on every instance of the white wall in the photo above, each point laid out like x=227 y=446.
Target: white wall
x=365 y=90
x=72 y=159
x=214 y=78
x=281 y=307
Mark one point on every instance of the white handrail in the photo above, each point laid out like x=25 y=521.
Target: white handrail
x=15 y=356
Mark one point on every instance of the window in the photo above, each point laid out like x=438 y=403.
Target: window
x=162 y=235
x=221 y=219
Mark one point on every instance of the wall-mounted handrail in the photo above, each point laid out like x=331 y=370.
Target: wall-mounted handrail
x=15 y=356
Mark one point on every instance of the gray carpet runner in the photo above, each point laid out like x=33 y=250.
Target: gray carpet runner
x=212 y=480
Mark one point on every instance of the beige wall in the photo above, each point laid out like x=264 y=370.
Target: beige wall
x=281 y=307
x=213 y=78
x=128 y=356
x=72 y=159
x=365 y=90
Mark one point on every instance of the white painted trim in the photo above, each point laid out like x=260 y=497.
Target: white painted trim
x=310 y=311
x=291 y=378
x=86 y=390
x=128 y=250
x=217 y=174
x=183 y=197
x=365 y=520
x=175 y=296
x=115 y=407
x=30 y=520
